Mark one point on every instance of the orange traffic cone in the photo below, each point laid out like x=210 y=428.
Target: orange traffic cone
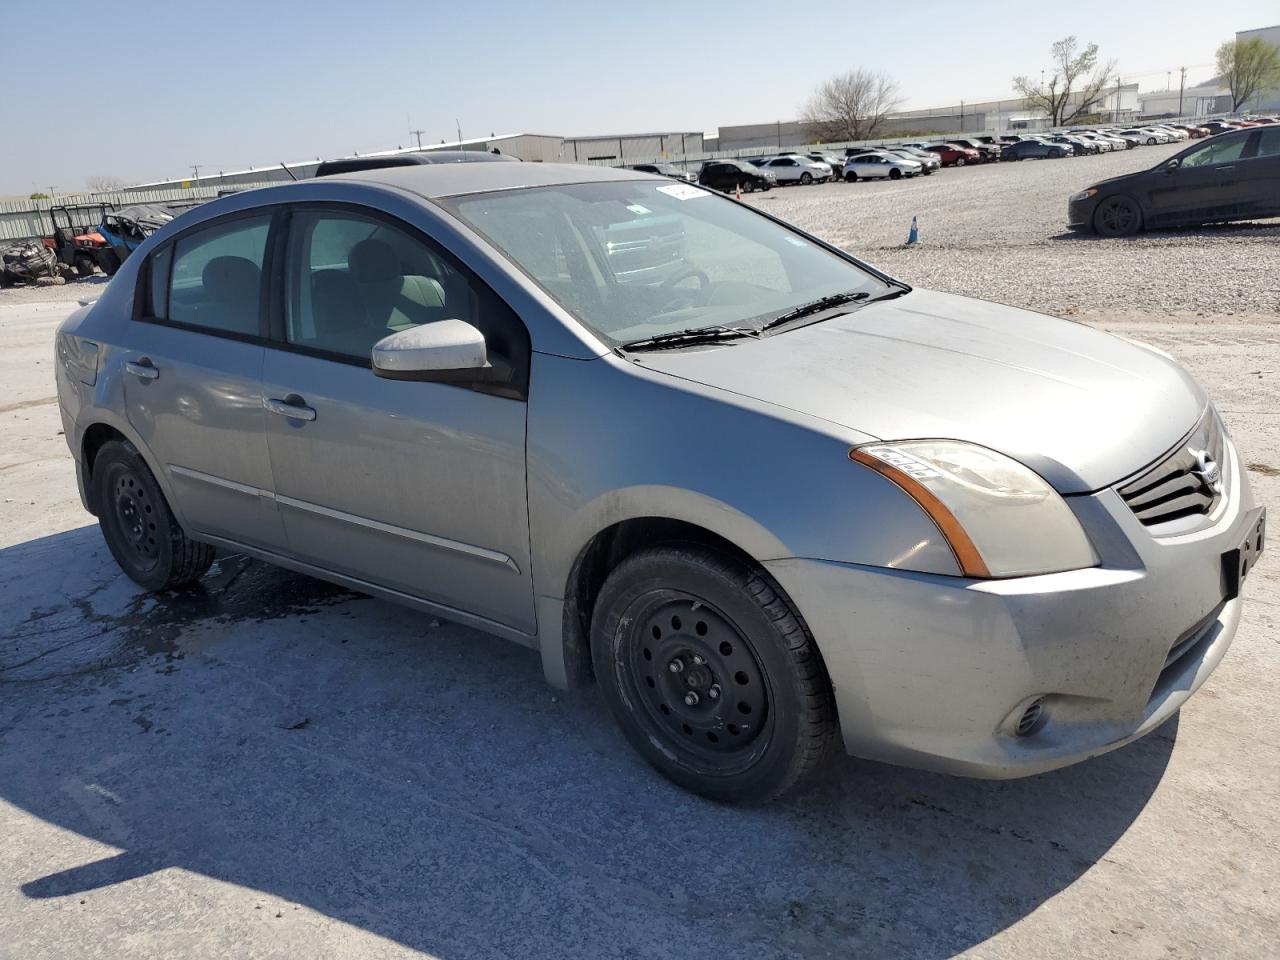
x=737 y=192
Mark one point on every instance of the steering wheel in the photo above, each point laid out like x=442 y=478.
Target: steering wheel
x=673 y=296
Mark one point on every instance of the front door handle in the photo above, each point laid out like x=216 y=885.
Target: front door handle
x=143 y=368
x=292 y=406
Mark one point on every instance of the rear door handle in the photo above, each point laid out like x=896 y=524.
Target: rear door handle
x=292 y=406
x=143 y=368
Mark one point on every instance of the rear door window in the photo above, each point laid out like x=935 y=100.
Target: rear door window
x=216 y=280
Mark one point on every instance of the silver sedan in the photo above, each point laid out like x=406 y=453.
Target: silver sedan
x=770 y=499
x=793 y=168
x=880 y=165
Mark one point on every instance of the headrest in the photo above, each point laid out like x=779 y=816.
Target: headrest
x=373 y=261
x=231 y=280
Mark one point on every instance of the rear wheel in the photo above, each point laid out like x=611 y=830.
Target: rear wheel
x=84 y=265
x=141 y=531
x=1117 y=217
x=710 y=674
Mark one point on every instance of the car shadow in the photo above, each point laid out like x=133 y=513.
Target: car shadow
x=418 y=780
x=1244 y=229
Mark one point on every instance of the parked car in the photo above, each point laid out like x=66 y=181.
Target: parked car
x=665 y=170
x=1101 y=143
x=873 y=166
x=1150 y=136
x=730 y=175
x=987 y=153
x=1195 y=133
x=1176 y=132
x=1035 y=150
x=422 y=384
x=1076 y=146
x=1219 y=126
x=953 y=155
x=384 y=161
x=793 y=168
x=928 y=161
x=834 y=160
x=1233 y=176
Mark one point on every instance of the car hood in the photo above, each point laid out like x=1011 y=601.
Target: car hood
x=1081 y=407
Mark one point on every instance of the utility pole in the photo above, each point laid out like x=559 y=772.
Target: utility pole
x=1116 y=118
x=1182 y=85
x=962 y=116
x=458 y=123
x=195 y=173
x=418 y=134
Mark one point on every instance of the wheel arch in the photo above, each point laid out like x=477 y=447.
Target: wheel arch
x=102 y=429
x=602 y=552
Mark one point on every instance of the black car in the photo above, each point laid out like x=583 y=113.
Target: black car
x=665 y=170
x=729 y=175
x=1027 y=149
x=1233 y=176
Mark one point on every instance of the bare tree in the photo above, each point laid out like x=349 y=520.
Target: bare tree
x=1076 y=85
x=1248 y=68
x=104 y=184
x=850 y=106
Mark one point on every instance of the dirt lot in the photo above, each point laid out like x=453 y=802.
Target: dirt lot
x=267 y=766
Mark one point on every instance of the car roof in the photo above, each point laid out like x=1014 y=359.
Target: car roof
x=451 y=179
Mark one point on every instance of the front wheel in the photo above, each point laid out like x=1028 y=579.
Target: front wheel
x=960 y=162
x=1117 y=217
x=141 y=531
x=806 y=178
x=850 y=176
x=1151 y=141
x=710 y=673
x=895 y=174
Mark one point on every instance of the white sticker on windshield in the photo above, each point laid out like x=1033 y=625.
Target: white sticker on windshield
x=683 y=191
x=638 y=210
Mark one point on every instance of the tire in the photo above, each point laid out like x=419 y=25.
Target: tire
x=1151 y=141
x=110 y=263
x=806 y=178
x=771 y=720
x=85 y=266
x=851 y=176
x=895 y=174
x=141 y=531
x=960 y=161
x=1117 y=216
x=749 y=187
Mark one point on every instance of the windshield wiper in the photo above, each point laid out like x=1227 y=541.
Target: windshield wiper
x=835 y=300
x=690 y=337
x=815 y=306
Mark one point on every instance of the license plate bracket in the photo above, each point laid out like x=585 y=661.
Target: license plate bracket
x=1237 y=563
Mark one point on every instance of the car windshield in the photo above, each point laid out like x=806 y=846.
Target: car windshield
x=635 y=259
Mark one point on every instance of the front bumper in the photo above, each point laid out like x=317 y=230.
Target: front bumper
x=934 y=672
x=1080 y=213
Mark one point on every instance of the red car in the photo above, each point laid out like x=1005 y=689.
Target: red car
x=953 y=155
x=1194 y=132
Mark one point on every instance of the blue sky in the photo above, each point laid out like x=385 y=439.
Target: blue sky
x=231 y=83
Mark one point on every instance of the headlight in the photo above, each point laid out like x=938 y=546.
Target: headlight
x=1083 y=194
x=1000 y=518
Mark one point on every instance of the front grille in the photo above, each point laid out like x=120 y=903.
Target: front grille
x=1187 y=483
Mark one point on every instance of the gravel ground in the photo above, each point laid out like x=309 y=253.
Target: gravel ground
x=999 y=232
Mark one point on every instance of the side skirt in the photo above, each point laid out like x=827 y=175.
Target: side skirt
x=382 y=593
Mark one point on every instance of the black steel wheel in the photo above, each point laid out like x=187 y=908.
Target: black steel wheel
x=1118 y=216
x=140 y=530
x=710 y=674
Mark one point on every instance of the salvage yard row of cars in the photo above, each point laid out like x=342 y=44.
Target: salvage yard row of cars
x=921 y=158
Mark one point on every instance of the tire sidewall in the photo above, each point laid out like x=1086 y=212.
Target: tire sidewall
x=647 y=577
x=114 y=460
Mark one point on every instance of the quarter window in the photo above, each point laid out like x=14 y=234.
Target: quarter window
x=216 y=280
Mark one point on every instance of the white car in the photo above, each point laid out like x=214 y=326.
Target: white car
x=1172 y=131
x=793 y=168
x=872 y=166
x=1150 y=135
x=1104 y=144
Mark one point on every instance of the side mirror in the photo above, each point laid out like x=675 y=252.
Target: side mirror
x=1172 y=165
x=447 y=351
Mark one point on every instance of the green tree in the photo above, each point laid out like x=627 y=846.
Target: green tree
x=38 y=196
x=1248 y=68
